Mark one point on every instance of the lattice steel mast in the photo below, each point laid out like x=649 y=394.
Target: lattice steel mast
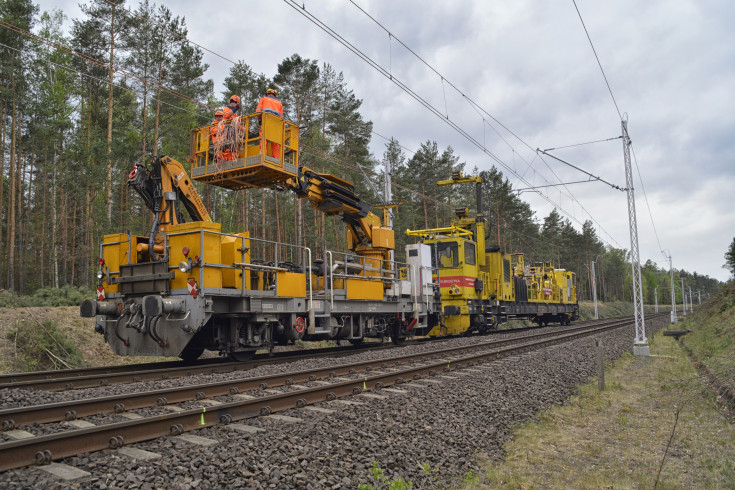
x=640 y=344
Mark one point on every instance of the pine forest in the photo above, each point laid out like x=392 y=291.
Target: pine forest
x=79 y=110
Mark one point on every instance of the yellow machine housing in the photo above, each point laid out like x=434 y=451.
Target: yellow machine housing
x=480 y=288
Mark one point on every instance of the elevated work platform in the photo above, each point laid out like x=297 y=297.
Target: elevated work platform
x=246 y=152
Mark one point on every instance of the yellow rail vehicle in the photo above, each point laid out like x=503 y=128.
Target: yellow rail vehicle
x=187 y=286
x=481 y=288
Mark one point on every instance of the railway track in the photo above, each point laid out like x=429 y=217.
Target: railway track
x=70 y=379
x=249 y=398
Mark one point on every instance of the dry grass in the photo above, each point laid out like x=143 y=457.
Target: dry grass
x=617 y=438
x=81 y=330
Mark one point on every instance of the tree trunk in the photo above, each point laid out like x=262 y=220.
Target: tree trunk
x=278 y=226
x=436 y=212
x=11 y=194
x=143 y=115
x=73 y=254
x=109 y=117
x=54 y=226
x=158 y=110
x=63 y=230
x=89 y=226
x=247 y=209
x=262 y=215
x=20 y=174
x=423 y=201
x=2 y=174
x=44 y=213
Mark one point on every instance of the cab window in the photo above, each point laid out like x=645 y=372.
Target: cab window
x=447 y=254
x=469 y=253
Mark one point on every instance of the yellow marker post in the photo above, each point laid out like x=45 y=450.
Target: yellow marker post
x=364 y=384
x=201 y=420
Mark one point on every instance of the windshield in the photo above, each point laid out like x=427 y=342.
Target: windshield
x=447 y=254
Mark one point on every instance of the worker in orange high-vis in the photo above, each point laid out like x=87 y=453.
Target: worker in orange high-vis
x=271 y=105
x=217 y=119
x=218 y=137
x=229 y=112
x=232 y=109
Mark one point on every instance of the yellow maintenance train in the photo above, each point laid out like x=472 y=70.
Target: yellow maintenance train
x=186 y=286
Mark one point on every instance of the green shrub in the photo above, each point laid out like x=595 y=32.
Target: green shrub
x=63 y=296
x=42 y=346
x=8 y=299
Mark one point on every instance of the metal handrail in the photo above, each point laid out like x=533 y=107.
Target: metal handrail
x=242 y=265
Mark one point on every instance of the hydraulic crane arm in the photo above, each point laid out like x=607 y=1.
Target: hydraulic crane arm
x=162 y=187
x=335 y=196
x=168 y=176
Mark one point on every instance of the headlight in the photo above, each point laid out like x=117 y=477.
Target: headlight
x=184 y=266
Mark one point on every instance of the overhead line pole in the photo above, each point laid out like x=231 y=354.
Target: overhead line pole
x=683 y=298
x=594 y=285
x=640 y=344
x=673 y=291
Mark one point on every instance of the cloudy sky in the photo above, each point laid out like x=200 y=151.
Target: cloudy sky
x=529 y=66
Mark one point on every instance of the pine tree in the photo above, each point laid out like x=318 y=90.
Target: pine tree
x=13 y=90
x=730 y=258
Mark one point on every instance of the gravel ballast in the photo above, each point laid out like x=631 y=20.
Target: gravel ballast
x=427 y=435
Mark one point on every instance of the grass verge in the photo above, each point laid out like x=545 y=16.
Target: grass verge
x=655 y=414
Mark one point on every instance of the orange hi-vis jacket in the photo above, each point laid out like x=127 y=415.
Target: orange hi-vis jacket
x=228 y=113
x=270 y=105
x=213 y=130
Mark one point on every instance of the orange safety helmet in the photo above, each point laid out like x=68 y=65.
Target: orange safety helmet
x=235 y=98
x=219 y=113
x=271 y=91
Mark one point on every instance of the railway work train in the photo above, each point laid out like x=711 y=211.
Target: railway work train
x=187 y=286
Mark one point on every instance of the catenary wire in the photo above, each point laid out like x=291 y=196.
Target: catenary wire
x=650 y=214
x=194 y=101
x=378 y=134
x=311 y=17
x=582 y=144
x=598 y=59
x=476 y=106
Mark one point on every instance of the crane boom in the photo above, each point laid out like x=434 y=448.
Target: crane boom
x=168 y=175
x=162 y=187
x=335 y=196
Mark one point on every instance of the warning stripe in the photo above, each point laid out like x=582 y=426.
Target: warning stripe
x=461 y=281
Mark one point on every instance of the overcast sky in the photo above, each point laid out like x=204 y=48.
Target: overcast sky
x=529 y=65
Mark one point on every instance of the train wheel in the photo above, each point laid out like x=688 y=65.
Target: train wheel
x=191 y=353
x=242 y=355
x=397 y=335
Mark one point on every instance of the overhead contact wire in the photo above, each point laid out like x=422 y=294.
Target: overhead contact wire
x=301 y=10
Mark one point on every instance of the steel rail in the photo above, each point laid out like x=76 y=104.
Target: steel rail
x=44 y=449
x=118 y=375
x=71 y=410
x=41 y=380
